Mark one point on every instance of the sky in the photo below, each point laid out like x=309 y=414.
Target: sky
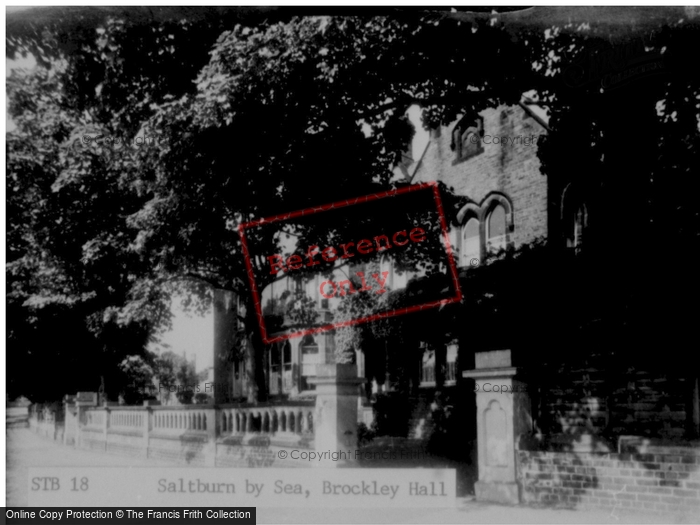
x=21 y=63
x=191 y=335
x=420 y=139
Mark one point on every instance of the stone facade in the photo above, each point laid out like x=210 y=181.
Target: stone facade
x=288 y=366
x=504 y=173
x=506 y=167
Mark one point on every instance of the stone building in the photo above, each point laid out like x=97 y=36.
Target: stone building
x=595 y=414
x=491 y=160
x=288 y=365
x=580 y=426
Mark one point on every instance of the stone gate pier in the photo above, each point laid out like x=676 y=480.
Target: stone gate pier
x=503 y=414
x=336 y=414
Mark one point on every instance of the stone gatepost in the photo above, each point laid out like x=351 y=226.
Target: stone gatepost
x=70 y=422
x=503 y=414
x=335 y=416
x=105 y=425
x=83 y=401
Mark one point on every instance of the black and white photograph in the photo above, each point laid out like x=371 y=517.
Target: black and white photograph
x=352 y=264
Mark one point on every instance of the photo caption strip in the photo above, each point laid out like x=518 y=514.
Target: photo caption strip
x=411 y=234
x=222 y=488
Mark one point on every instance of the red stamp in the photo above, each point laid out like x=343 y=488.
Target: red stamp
x=352 y=247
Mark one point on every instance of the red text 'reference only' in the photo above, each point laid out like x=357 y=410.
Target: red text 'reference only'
x=330 y=254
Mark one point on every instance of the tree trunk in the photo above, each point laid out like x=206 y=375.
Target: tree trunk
x=225 y=328
x=251 y=369
x=255 y=357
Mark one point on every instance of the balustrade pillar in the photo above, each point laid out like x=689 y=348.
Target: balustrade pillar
x=70 y=423
x=209 y=420
x=105 y=426
x=146 y=426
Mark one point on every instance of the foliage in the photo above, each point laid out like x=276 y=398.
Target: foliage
x=365 y=435
x=174 y=374
x=139 y=384
x=301 y=310
x=167 y=212
x=291 y=309
x=187 y=381
x=350 y=339
x=249 y=120
x=196 y=201
x=164 y=374
x=202 y=398
x=392 y=414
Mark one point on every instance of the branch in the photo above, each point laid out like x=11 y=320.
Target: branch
x=206 y=280
x=406 y=101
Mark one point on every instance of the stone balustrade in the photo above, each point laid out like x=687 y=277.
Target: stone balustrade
x=286 y=419
x=245 y=434
x=94 y=418
x=181 y=419
x=126 y=419
x=205 y=435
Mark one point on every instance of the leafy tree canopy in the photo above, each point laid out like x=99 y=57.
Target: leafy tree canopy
x=250 y=114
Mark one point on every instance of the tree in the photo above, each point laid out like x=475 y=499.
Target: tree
x=139 y=386
x=187 y=381
x=69 y=192
x=164 y=368
x=274 y=101
x=174 y=374
x=331 y=65
x=202 y=398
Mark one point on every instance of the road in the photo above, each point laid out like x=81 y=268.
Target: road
x=26 y=449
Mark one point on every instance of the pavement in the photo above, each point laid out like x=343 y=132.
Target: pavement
x=26 y=449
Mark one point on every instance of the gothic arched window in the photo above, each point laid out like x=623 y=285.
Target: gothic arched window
x=466 y=138
x=496 y=229
x=471 y=242
x=574 y=217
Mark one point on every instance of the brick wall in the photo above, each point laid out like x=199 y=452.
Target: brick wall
x=511 y=169
x=661 y=480
x=590 y=398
